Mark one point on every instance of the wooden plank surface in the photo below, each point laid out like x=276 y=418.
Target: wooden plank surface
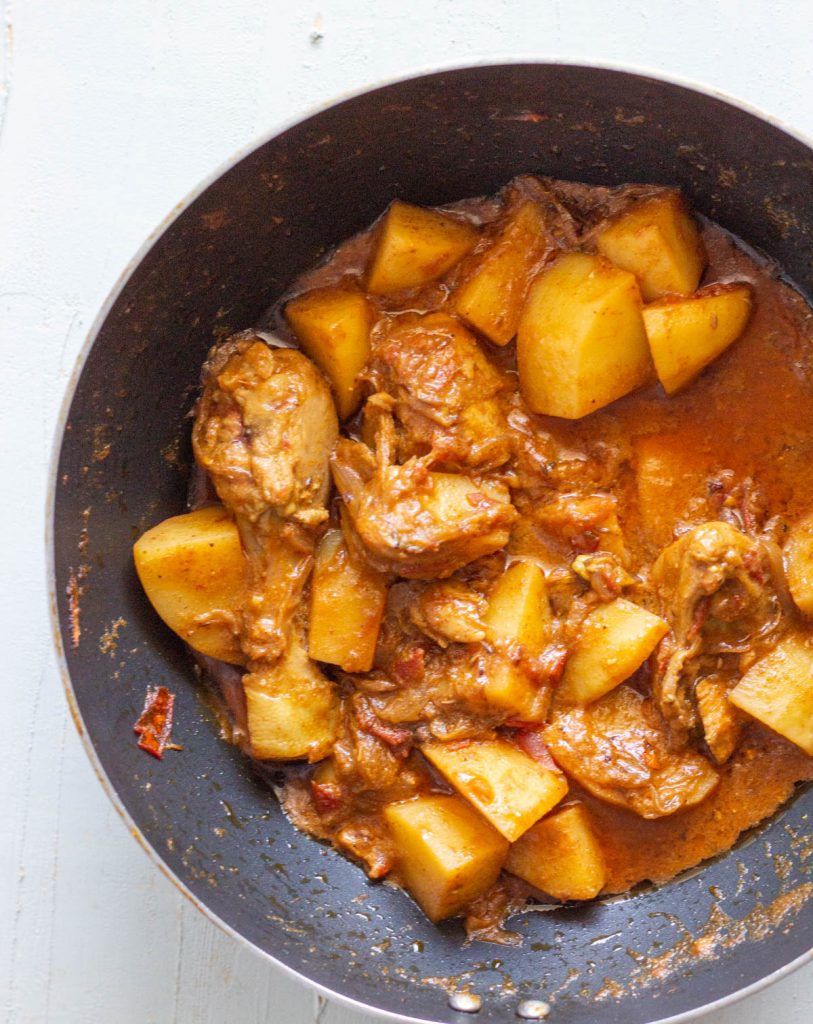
x=109 y=114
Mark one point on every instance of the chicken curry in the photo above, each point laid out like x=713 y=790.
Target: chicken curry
x=501 y=537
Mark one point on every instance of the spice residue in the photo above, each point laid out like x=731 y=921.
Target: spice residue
x=74 y=590
x=720 y=933
x=108 y=641
x=102 y=445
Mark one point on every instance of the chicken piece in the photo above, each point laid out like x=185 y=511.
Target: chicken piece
x=722 y=594
x=722 y=722
x=444 y=389
x=585 y=522
x=415 y=523
x=450 y=612
x=368 y=841
x=619 y=749
x=368 y=751
x=416 y=683
x=604 y=573
x=264 y=429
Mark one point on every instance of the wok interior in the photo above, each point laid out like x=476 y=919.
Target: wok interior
x=125 y=458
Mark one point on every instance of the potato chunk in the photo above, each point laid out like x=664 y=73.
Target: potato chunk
x=508 y=787
x=656 y=240
x=292 y=709
x=491 y=298
x=561 y=856
x=778 y=691
x=510 y=687
x=333 y=328
x=346 y=606
x=518 y=609
x=581 y=341
x=193 y=571
x=447 y=854
x=686 y=334
x=798 y=556
x=518 y=624
x=615 y=640
x=415 y=246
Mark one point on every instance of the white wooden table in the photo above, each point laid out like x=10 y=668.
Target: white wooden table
x=109 y=113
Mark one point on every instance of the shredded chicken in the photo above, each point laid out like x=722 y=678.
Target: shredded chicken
x=584 y=522
x=450 y=612
x=445 y=392
x=416 y=523
x=721 y=592
x=722 y=722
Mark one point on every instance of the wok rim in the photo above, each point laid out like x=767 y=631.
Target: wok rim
x=121 y=283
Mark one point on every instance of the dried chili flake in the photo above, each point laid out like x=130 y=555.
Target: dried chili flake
x=154 y=725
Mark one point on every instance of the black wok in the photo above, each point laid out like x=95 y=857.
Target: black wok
x=123 y=466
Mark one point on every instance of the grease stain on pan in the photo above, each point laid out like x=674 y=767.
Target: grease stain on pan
x=802 y=845
x=75 y=587
x=720 y=933
x=784 y=221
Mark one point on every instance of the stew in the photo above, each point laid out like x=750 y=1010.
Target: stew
x=501 y=540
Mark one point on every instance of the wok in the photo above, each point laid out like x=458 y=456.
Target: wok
x=122 y=465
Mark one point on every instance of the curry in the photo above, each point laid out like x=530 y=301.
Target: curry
x=501 y=541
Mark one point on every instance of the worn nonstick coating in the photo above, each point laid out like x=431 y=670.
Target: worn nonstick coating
x=123 y=466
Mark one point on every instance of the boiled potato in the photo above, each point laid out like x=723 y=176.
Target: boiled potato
x=193 y=571
x=491 y=298
x=581 y=341
x=686 y=334
x=447 y=854
x=510 y=687
x=615 y=640
x=292 y=709
x=414 y=246
x=333 y=327
x=518 y=608
x=798 y=555
x=518 y=622
x=346 y=606
x=508 y=787
x=778 y=691
x=561 y=856
x=656 y=240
